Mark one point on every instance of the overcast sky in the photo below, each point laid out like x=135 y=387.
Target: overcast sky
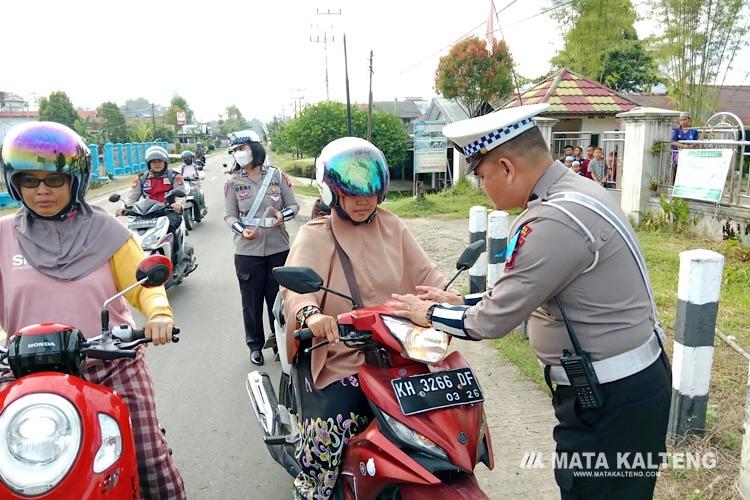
x=257 y=55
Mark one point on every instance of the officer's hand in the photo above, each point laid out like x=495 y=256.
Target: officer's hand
x=159 y=329
x=323 y=326
x=287 y=179
x=431 y=293
x=176 y=207
x=120 y=211
x=411 y=307
x=279 y=218
x=249 y=234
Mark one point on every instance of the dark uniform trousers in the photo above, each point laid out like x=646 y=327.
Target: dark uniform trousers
x=256 y=284
x=633 y=419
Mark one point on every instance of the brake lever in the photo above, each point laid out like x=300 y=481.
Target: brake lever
x=317 y=346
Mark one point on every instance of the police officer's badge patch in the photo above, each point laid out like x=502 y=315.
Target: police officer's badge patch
x=515 y=244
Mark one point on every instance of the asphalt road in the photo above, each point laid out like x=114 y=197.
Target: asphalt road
x=200 y=382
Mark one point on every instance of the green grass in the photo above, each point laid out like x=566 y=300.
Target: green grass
x=451 y=204
x=291 y=165
x=516 y=348
x=307 y=191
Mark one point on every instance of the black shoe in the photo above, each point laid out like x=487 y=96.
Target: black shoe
x=256 y=358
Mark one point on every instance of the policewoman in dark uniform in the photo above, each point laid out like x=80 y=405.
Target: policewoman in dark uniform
x=257 y=202
x=575 y=270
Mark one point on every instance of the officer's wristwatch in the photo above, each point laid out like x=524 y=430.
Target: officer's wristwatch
x=429 y=312
x=306 y=312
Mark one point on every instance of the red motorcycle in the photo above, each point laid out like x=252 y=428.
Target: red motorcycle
x=62 y=437
x=429 y=429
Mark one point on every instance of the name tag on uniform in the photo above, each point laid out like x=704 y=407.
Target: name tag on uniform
x=166 y=181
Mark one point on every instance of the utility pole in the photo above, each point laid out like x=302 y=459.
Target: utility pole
x=153 y=119
x=369 y=105
x=325 y=40
x=348 y=103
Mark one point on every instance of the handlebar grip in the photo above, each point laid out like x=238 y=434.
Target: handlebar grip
x=140 y=334
x=110 y=354
x=303 y=334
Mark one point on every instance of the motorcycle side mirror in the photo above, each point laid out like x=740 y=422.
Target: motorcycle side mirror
x=155 y=270
x=468 y=258
x=179 y=193
x=114 y=198
x=470 y=255
x=298 y=279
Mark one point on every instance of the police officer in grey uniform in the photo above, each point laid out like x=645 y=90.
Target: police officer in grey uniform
x=257 y=202
x=574 y=269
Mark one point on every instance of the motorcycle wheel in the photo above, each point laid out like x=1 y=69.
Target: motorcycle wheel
x=197 y=215
x=187 y=215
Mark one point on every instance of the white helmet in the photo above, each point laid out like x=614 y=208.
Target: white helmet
x=156 y=153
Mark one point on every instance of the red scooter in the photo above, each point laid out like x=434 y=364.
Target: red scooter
x=62 y=437
x=429 y=430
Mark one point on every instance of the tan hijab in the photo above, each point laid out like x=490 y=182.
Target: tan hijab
x=72 y=248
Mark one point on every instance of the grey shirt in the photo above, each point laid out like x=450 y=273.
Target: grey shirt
x=240 y=192
x=608 y=305
x=597 y=169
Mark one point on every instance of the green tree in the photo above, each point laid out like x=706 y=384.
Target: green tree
x=113 y=127
x=629 y=68
x=276 y=135
x=178 y=103
x=600 y=40
x=324 y=122
x=57 y=108
x=473 y=75
x=697 y=45
x=234 y=122
x=141 y=130
x=257 y=126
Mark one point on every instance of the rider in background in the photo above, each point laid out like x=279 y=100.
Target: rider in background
x=190 y=173
x=384 y=257
x=61 y=258
x=157 y=184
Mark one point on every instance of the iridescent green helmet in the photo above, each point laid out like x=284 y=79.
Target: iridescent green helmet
x=351 y=166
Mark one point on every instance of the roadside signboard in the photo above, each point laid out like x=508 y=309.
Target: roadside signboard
x=702 y=173
x=430 y=147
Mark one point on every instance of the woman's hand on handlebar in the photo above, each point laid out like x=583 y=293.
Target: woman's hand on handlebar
x=323 y=326
x=159 y=329
x=431 y=293
x=120 y=211
x=176 y=207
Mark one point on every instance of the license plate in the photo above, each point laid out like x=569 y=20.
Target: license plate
x=421 y=393
x=142 y=224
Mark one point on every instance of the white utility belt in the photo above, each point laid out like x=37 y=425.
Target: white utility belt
x=258 y=221
x=617 y=367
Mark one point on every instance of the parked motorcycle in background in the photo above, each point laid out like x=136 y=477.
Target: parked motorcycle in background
x=429 y=429
x=148 y=222
x=62 y=436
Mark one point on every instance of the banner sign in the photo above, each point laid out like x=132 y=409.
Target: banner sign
x=430 y=147
x=702 y=173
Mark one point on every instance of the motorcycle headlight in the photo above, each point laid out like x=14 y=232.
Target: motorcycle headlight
x=412 y=438
x=40 y=435
x=156 y=234
x=420 y=344
x=111 y=447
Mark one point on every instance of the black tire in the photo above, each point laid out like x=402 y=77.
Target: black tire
x=187 y=215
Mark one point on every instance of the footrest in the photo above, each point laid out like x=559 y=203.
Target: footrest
x=275 y=440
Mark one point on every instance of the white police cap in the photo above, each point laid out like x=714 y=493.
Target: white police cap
x=476 y=137
x=243 y=137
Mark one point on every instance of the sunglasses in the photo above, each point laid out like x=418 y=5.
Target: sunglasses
x=53 y=181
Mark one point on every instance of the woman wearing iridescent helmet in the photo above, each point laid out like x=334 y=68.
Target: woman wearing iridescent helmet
x=61 y=258
x=257 y=203
x=352 y=176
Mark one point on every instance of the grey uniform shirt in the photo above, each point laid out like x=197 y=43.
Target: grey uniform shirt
x=240 y=192
x=608 y=306
x=597 y=168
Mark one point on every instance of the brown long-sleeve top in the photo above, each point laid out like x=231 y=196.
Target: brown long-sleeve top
x=386 y=259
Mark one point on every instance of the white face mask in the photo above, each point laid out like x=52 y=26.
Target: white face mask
x=243 y=157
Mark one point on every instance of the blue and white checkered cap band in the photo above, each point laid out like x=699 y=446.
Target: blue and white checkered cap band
x=497 y=137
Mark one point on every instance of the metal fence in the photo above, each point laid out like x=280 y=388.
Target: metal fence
x=613 y=144
x=561 y=139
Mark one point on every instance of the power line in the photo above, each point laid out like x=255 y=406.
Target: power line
x=480 y=24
